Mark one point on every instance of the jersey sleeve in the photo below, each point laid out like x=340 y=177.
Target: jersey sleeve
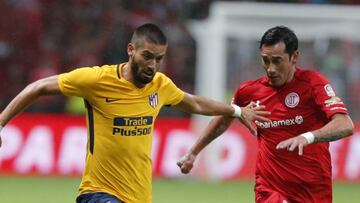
x=237 y=98
x=240 y=97
x=79 y=82
x=325 y=96
x=173 y=94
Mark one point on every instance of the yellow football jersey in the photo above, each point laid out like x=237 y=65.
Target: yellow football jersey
x=120 y=120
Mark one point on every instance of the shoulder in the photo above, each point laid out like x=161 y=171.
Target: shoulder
x=104 y=69
x=94 y=69
x=311 y=77
x=251 y=85
x=104 y=72
x=87 y=74
x=246 y=90
x=161 y=78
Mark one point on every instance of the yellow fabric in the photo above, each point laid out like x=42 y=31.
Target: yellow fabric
x=123 y=121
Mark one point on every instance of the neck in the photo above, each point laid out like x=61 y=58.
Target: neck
x=291 y=74
x=126 y=72
x=127 y=75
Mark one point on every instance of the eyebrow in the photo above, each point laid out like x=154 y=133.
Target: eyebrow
x=276 y=56
x=148 y=52
x=154 y=55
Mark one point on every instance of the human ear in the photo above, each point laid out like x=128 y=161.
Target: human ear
x=130 y=49
x=295 y=57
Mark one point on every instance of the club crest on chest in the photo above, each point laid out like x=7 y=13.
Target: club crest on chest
x=153 y=100
x=292 y=100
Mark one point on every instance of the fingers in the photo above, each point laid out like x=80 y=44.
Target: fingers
x=249 y=126
x=186 y=168
x=185 y=164
x=291 y=144
x=300 y=149
x=251 y=104
x=282 y=145
x=255 y=113
x=288 y=144
x=261 y=118
x=183 y=169
x=262 y=113
x=251 y=115
x=179 y=163
x=254 y=106
x=257 y=108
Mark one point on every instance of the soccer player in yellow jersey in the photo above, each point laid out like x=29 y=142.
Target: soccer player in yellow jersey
x=122 y=104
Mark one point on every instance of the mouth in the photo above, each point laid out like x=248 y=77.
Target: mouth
x=148 y=73
x=274 y=80
x=273 y=77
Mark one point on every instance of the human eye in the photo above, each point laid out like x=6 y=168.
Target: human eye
x=147 y=56
x=160 y=58
x=265 y=60
x=276 y=61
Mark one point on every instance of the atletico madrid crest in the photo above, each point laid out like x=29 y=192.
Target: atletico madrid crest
x=153 y=100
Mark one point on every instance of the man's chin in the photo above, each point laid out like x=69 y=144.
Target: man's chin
x=145 y=80
x=277 y=84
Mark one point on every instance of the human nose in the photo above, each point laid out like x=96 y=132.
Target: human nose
x=271 y=69
x=152 y=63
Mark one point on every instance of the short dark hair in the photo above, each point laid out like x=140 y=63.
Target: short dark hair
x=281 y=34
x=150 y=33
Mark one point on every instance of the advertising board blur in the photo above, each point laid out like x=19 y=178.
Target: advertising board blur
x=37 y=144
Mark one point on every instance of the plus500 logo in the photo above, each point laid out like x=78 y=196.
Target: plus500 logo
x=133 y=126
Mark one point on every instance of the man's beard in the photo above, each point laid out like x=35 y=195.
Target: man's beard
x=138 y=78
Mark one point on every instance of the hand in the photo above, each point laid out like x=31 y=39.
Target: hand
x=296 y=142
x=186 y=163
x=253 y=112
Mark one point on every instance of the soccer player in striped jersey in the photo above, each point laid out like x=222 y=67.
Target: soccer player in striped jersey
x=122 y=104
x=305 y=116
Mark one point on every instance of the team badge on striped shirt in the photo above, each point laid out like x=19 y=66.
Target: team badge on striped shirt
x=153 y=100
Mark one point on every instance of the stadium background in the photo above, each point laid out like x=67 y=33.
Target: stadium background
x=39 y=38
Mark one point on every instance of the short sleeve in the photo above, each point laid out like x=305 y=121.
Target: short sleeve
x=325 y=96
x=240 y=97
x=79 y=82
x=172 y=94
x=236 y=98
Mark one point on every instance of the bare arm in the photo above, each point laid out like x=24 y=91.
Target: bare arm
x=216 y=127
x=339 y=127
x=46 y=86
x=202 y=105
x=205 y=106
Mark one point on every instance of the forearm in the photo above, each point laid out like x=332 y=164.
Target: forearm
x=18 y=104
x=27 y=96
x=210 y=107
x=339 y=127
x=216 y=127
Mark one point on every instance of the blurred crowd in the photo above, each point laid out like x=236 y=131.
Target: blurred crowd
x=39 y=38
